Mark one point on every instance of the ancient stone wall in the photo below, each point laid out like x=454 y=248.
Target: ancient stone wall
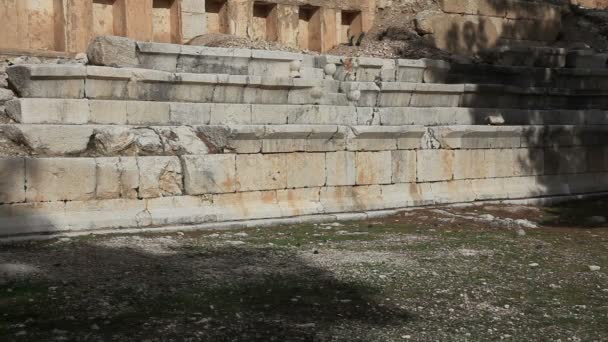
x=32 y=27
x=472 y=26
x=161 y=135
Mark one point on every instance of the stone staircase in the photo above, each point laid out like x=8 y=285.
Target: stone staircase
x=160 y=136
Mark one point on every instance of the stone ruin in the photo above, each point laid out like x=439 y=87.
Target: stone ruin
x=159 y=136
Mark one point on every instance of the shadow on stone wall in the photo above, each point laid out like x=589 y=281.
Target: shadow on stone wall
x=219 y=293
x=473 y=35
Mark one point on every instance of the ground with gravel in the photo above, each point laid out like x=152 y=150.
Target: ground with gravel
x=477 y=273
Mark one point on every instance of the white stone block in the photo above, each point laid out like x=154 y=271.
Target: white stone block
x=261 y=172
x=209 y=174
x=159 y=176
x=110 y=112
x=60 y=179
x=12 y=180
x=373 y=167
x=51 y=111
x=434 y=165
x=341 y=168
x=404 y=166
x=305 y=170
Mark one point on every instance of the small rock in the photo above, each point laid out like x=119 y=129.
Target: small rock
x=594 y=268
x=21 y=333
x=521 y=232
x=526 y=224
x=533 y=264
x=241 y=234
x=235 y=243
x=180 y=233
x=94 y=327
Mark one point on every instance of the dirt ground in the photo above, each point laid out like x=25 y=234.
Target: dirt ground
x=474 y=273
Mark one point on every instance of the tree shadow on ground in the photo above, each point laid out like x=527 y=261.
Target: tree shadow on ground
x=220 y=293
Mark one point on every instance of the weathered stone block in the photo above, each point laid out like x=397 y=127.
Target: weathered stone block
x=159 y=176
x=109 y=112
x=48 y=81
x=116 y=177
x=209 y=174
x=403 y=166
x=305 y=170
x=341 y=168
x=52 y=111
x=12 y=180
x=261 y=172
x=296 y=202
x=60 y=179
x=372 y=167
x=113 y=51
x=434 y=165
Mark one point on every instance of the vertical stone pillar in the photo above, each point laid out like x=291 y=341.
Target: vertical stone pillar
x=194 y=21
x=329 y=28
x=138 y=19
x=287 y=30
x=78 y=24
x=13 y=26
x=240 y=14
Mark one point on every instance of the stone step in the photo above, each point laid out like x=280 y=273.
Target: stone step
x=530 y=56
x=197 y=212
x=124 y=52
x=400 y=94
x=42 y=140
x=578 y=79
x=108 y=112
x=93 y=82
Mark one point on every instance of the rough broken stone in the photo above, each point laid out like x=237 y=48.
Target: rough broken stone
x=209 y=174
x=159 y=177
x=113 y=51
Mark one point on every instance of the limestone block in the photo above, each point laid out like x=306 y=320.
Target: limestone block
x=246 y=139
x=179 y=210
x=523 y=187
x=193 y=24
x=436 y=95
x=305 y=170
x=351 y=198
x=408 y=70
x=489 y=188
x=297 y=202
x=340 y=168
x=401 y=195
x=403 y=166
x=146 y=112
x=434 y=165
x=113 y=51
x=246 y=205
x=230 y=114
x=189 y=113
x=371 y=138
x=209 y=174
x=270 y=114
x=261 y=172
x=326 y=138
x=52 y=111
x=285 y=138
x=50 y=140
x=528 y=162
x=12 y=180
x=116 y=177
x=60 y=179
x=469 y=164
x=451 y=191
x=460 y=6
x=565 y=160
x=159 y=176
x=48 y=81
x=371 y=167
x=110 y=112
